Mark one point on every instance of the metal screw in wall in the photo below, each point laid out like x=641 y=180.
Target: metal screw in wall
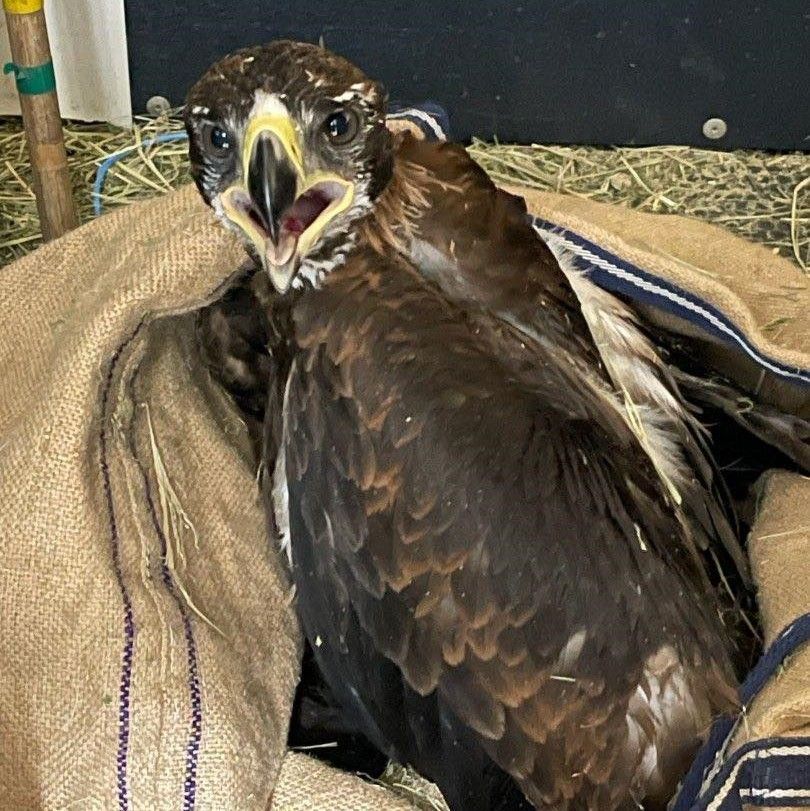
x=158 y=105
x=714 y=128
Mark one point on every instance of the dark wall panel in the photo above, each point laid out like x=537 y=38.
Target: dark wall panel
x=640 y=72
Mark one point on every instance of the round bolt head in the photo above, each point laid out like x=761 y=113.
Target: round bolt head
x=714 y=128
x=158 y=105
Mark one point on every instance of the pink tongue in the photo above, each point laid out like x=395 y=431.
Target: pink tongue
x=304 y=211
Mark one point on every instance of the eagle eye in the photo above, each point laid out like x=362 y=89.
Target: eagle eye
x=342 y=126
x=218 y=139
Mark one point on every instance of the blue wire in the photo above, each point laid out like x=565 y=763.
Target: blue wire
x=107 y=163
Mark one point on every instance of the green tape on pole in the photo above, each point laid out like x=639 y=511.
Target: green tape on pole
x=34 y=80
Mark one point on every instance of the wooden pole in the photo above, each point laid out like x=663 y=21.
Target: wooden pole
x=33 y=69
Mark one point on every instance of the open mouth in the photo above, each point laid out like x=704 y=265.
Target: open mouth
x=315 y=205
x=309 y=206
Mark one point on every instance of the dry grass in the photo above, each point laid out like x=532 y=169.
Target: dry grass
x=144 y=173
x=406 y=783
x=764 y=197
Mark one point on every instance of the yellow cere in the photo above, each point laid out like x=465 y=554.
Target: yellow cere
x=283 y=128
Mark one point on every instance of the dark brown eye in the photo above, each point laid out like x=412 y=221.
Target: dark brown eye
x=342 y=126
x=218 y=140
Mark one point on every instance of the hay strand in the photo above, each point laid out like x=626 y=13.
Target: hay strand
x=175 y=522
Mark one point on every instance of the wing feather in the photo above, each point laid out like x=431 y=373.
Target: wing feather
x=520 y=565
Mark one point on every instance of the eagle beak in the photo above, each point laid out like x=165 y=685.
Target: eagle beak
x=280 y=208
x=272 y=182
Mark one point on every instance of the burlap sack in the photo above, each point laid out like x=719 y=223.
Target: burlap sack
x=779 y=548
x=148 y=650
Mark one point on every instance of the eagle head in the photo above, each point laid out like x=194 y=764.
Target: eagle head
x=289 y=146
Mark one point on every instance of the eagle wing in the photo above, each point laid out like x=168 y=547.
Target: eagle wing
x=469 y=532
x=242 y=339
x=478 y=245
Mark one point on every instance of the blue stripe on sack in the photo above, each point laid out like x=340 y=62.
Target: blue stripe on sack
x=796 y=634
x=125 y=681
x=195 y=732
x=430 y=117
x=768 y=772
x=613 y=273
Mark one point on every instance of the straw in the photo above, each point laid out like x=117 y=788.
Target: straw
x=148 y=169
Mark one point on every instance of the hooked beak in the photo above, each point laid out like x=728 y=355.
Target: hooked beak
x=280 y=208
x=272 y=182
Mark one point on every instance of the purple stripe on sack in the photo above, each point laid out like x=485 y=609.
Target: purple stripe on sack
x=129 y=622
x=193 y=748
x=195 y=733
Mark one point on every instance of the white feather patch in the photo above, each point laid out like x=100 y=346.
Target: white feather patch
x=652 y=410
x=348 y=95
x=265 y=103
x=280 y=491
x=663 y=715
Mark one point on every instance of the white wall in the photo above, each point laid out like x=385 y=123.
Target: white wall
x=88 y=43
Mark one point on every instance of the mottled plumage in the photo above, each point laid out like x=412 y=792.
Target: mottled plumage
x=499 y=573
